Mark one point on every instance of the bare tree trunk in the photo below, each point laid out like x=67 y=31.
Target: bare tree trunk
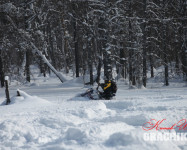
x=76 y=46
x=122 y=57
x=27 y=56
x=125 y=69
x=152 y=66
x=42 y=67
x=132 y=79
x=1 y=71
x=99 y=64
x=130 y=54
x=107 y=64
x=166 y=70
x=165 y=48
x=91 y=73
x=7 y=92
x=63 y=44
x=177 y=63
x=184 y=39
x=76 y=50
x=184 y=63
x=99 y=70
x=144 y=48
x=144 y=68
x=27 y=66
x=90 y=60
x=51 y=47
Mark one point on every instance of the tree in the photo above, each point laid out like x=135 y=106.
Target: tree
x=129 y=38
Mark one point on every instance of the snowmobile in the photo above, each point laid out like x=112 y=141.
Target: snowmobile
x=93 y=94
x=109 y=90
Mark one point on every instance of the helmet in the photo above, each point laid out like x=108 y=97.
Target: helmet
x=107 y=81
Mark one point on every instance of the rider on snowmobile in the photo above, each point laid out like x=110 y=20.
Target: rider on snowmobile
x=109 y=88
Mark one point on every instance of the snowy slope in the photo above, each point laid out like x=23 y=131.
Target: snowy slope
x=55 y=120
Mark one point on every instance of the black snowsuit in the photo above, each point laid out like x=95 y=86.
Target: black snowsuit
x=107 y=88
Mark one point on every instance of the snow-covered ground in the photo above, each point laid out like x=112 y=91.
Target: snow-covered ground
x=52 y=118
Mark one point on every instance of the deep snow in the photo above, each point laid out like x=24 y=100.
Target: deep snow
x=49 y=116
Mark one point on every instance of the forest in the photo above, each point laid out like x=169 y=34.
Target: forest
x=127 y=37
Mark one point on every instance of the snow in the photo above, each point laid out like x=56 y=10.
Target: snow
x=6 y=78
x=107 y=49
x=48 y=115
x=119 y=139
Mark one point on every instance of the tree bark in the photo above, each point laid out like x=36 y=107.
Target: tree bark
x=1 y=71
x=51 y=46
x=90 y=60
x=27 y=57
x=144 y=47
x=166 y=70
x=166 y=73
x=122 y=57
x=184 y=40
x=152 y=66
x=77 y=69
x=99 y=64
x=130 y=55
x=27 y=66
x=7 y=93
